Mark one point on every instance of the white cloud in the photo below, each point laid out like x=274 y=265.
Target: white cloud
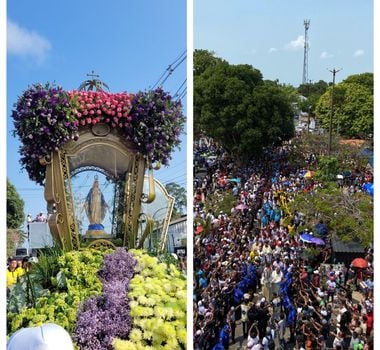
x=296 y=44
x=25 y=43
x=325 y=55
x=272 y=49
x=358 y=53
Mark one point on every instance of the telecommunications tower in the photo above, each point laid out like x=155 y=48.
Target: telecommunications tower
x=306 y=23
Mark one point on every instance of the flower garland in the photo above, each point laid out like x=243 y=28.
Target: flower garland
x=46 y=117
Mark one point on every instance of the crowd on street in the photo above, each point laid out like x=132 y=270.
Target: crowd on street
x=252 y=273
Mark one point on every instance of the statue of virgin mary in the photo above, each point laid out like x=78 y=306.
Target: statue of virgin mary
x=95 y=207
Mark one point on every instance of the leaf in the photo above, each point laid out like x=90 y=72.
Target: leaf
x=61 y=280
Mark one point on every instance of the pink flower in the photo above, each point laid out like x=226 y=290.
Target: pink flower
x=92 y=112
x=79 y=114
x=99 y=112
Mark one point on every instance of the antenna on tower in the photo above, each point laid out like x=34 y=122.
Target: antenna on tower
x=306 y=23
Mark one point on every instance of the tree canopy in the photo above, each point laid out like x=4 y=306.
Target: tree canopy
x=15 y=207
x=312 y=92
x=179 y=193
x=235 y=106
x=349 y=216
x=352 y=106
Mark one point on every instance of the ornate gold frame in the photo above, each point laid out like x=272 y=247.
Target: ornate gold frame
x=58 y=191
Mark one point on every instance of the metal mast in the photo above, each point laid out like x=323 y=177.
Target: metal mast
x=306 y=23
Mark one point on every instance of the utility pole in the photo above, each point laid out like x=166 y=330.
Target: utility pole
x=333 y=71
x=306 y=23
x=309 y=107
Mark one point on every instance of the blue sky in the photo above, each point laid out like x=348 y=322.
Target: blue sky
x=269 y=36
x=128 y=43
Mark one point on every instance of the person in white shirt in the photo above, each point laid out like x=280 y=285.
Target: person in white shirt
x=253 y=341
x=276 y=276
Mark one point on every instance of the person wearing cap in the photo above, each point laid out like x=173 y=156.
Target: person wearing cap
x=49 y=336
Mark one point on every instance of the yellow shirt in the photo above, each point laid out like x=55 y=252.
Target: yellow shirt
x=21 y=271
x=12 y=277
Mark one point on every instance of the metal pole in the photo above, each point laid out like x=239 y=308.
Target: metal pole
x=334 y=71
x=309 y=108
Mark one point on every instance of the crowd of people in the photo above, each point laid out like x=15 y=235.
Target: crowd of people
x=252 y=274
x=16 y=269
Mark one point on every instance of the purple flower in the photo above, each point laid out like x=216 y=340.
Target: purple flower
x=105 y=317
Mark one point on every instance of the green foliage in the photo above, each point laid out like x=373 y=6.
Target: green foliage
x=352 y=106
x=24 y=293
x=15 y=207
x=47 y=267
x=311 y=254
x=327 y=169
x=14 y=238
x=179 y=193
x=220 y=202
x=76 y=281
x=349 y=216
x=349 y=156
x=364 y=79
x=237 y=108
x=313 y=92
x=204 y=59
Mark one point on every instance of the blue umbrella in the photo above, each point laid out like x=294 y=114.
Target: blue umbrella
x=317 y=241
x=306 y=237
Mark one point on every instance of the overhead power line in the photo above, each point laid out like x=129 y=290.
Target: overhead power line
x=170 y=69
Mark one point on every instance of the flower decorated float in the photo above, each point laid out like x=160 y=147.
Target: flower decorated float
x=105 y=297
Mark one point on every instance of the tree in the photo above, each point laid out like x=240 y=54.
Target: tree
x=353 y=107
x=15 y=218
x=15 y=208
x=348 y=216
x=349 y=157
x=238 y=109
x=312 y=92
x=202 y=60
x=179 y=193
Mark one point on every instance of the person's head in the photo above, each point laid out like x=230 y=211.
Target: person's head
x=12 y=264
x=49 y=336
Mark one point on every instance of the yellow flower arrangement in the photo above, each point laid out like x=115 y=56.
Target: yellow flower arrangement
x=158 y=306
